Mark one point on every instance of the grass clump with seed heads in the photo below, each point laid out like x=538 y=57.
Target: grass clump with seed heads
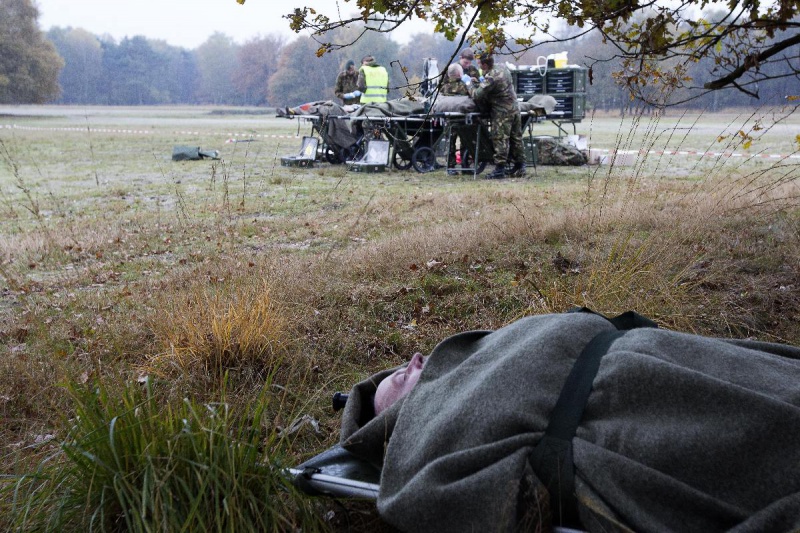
x=215 y=329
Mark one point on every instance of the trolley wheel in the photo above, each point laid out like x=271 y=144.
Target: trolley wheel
x=468 y=163
x=332 y=157
x=401 y=161
x=424 y=160
x=346 y=154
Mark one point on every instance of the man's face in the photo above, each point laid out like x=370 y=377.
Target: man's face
x=398 y=384
x=351 y=69
x=465 y=62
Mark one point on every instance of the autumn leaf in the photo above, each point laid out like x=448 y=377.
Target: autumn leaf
x=793 y=98
x=433 y=264
x=746 y=144
x=240 y=2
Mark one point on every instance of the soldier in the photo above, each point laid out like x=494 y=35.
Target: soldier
x=347 y=85
x=496 y=93
x=453 y=86
x=465 y=60
x=373 y=81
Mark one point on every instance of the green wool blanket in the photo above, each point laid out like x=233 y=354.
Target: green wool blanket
x=680 y=433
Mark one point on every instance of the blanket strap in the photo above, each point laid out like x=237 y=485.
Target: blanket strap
x=551 y=459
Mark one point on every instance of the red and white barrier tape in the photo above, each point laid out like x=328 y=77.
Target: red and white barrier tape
x=231 y=136
x=702 y=153
x=238 y=137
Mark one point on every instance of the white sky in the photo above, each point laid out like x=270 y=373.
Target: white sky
x=188 y=23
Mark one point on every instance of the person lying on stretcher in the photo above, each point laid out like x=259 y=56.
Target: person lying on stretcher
x=679 y=432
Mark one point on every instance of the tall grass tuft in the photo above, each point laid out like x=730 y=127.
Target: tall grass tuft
x=127 y=464
x=214 y=330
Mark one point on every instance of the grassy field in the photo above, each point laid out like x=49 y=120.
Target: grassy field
x=133 y=284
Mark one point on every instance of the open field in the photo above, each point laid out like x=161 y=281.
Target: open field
x=212 y=278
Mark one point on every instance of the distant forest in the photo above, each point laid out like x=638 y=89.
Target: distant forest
x=274 y=71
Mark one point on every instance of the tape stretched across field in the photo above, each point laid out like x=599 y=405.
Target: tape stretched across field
x=232 y=137
x=149 y=132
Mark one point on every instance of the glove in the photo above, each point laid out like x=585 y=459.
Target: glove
x=356 y=93
x=466 y=79
x=481 y=79
x=349 y=96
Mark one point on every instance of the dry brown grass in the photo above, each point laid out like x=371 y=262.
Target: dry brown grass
x=324 y=277
x=212 y=327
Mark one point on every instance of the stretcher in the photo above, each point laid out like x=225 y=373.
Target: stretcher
x=336 y=473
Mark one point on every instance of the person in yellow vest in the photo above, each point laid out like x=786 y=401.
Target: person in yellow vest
x=373 y=81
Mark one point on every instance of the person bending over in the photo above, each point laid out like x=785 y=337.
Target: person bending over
x=496 y=93
x=346 y=87
x=454 y=86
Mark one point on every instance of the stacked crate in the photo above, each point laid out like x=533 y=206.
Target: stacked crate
x=566 y=85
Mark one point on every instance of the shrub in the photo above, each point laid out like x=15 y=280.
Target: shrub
x=127 y=464
x=212 y=331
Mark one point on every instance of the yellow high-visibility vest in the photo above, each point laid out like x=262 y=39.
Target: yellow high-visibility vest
x=377 y=82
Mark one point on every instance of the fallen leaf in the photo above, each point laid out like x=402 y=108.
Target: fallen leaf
x=433 y=264
x=41 y=439
x=299 y=423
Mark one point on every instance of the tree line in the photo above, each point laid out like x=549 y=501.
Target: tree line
x=272 y=71
x=83 y=68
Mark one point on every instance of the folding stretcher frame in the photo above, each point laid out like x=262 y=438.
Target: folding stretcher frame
x=419 y=141
x=337 y=473
x=476 y=148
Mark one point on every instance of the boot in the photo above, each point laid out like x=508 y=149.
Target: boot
x=451 y=167
x=498 y=173
x=518 y=170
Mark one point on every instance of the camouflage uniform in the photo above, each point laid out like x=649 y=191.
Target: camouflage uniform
x=472 y=71
x=497 y=94
x=453 y=87
x=347 y=82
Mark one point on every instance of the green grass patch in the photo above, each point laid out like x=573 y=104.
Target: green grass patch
x=129 y=463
